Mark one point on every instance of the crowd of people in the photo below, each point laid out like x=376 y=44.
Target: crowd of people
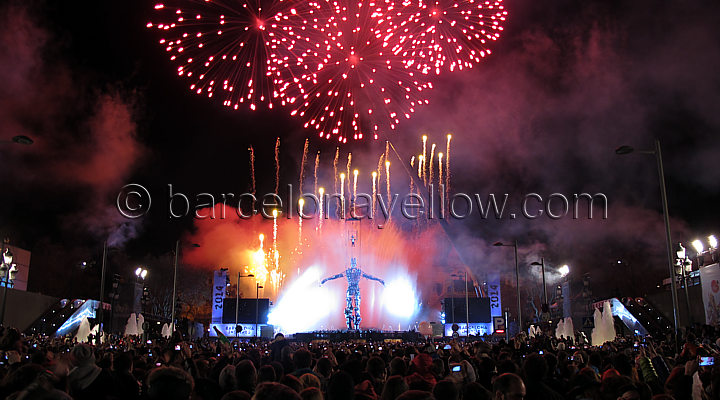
x=541 y=367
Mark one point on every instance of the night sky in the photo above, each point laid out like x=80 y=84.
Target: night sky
x=567 y=83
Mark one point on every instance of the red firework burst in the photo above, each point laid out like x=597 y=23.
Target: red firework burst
x=349 y=70
x=224 y=47
x=432 y=34
x=347 y=82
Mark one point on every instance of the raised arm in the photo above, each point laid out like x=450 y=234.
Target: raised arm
x=372 y=278
x=340 y=275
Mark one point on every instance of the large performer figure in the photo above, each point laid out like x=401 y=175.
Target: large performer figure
x=353 y=273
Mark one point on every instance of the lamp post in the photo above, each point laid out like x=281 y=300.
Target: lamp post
x=257 y=299
x=139 y=295
x=101 y=310
x=545 y=299
x=681 y=262
x=141 y=273
x=7 y=259
x=237 y=298
x=175 y=272
x=517 y=282
x=114 y=296
x=467 y=309
x=622 y=150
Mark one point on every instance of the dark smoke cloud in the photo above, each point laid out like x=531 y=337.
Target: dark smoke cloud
x=85 y=137
x=545 y=112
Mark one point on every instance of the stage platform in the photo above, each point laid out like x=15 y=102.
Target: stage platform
x=357 y=336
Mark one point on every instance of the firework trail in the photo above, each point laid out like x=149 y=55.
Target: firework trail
x=379 y=167
x=374 y=192
x=302 y=164
x=252 y=169
x=355 y=176
x=447 y=168
x=275 y=215
x=342 y=195
x=277 y=165
x=301 y=203
x=321 y=192
x=445 y=34
x=432 y=156
x=335 y=169
x=440 y=182
x=317 y=164
x=259 y=263
x=440 y=168
x=347 y=83
x=423 y=160
x=412 y=167
x=347 y=170
x=224 y=47
x=276 y=275
x=387 y=180
x=420 y=164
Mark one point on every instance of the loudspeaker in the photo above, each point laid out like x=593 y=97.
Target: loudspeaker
x=479 y=310
x=267 y=331
x=246 y=312
x=437 y=329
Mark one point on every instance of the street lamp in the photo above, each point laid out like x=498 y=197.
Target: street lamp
x=564 y=270
x=517 y=281
x=140 y=296
x=237 y=298
x=257 y=299
x=141 y=272
x=545 y=300
x=698 y=246
x=657 y=152
x=713 y=241
x=7 y=266
x=175 y=272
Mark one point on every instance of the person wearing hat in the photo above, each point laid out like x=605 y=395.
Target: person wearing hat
x=86 y=380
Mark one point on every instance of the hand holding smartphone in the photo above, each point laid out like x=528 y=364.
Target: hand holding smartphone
x=706 y=361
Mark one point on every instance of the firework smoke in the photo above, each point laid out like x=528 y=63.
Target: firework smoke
x=386 y=253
